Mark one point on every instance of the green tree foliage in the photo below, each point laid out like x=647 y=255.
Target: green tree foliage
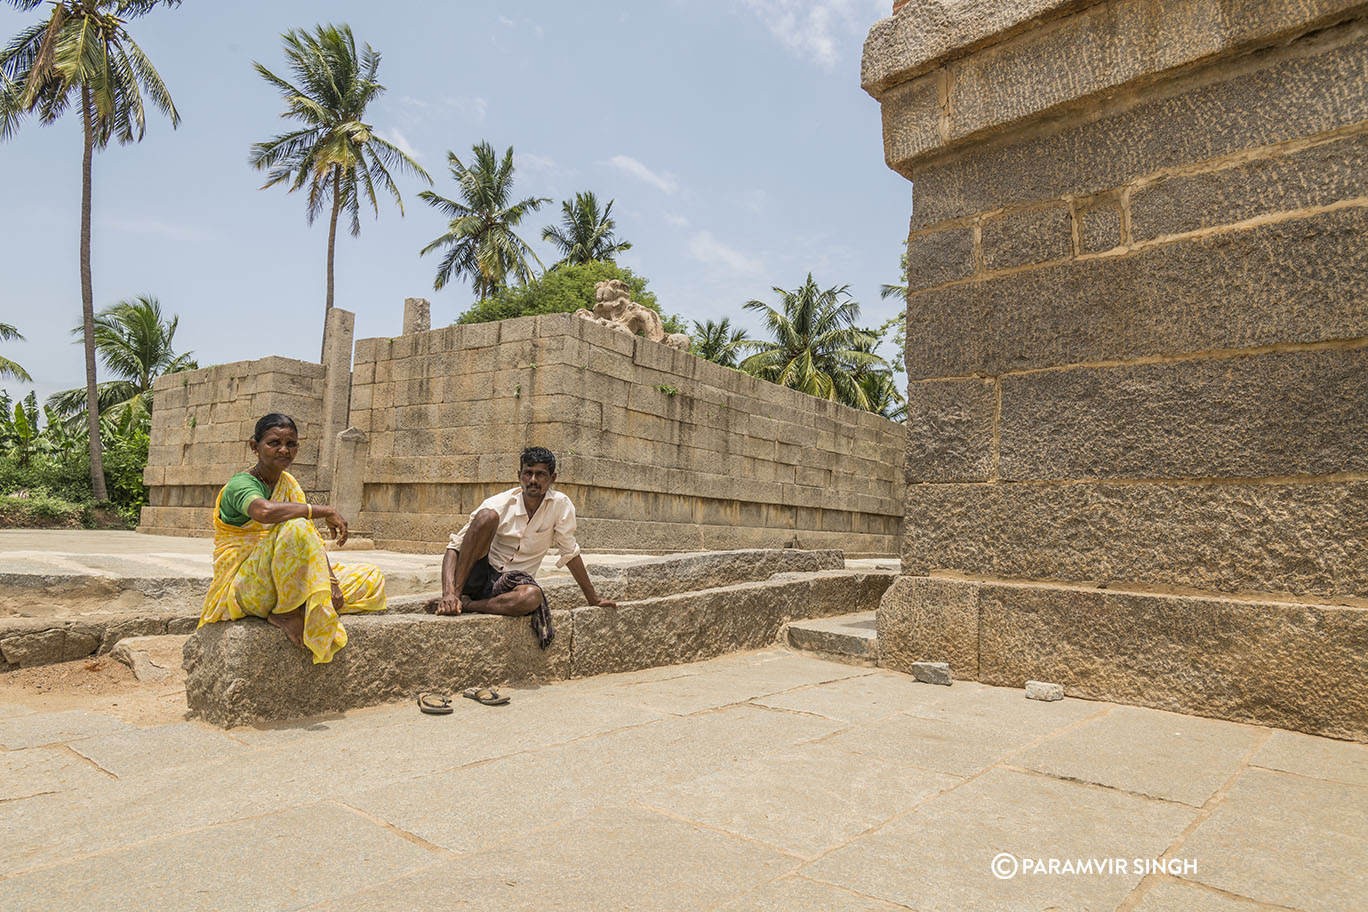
x=816 y=347
x=45 y=467
x=335 y=154
x=10 y=368
x=718 y=342
x=137 y=345
x=585 y=233
x=82 y=52
x=564 y=290
x=481 y=244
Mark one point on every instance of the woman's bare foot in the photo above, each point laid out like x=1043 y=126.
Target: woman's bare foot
x=292 y=622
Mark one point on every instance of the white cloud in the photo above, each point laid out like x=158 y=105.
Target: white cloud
x=709 y=250
x=678 y=221
x=817 y=28
x=397 y=138
x=665 y=183
x=473 y=108
x=534 y=162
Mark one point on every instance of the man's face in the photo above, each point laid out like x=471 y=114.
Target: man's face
x=536 y=480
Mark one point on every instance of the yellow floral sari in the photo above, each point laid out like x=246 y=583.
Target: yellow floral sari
x=266 y=568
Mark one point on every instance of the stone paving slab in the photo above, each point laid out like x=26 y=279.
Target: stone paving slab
x=283 y=861
x=1017 y=813
x=152 y=751
x=1287 y=840
x=678 y=868
x=1318 y=758
x=44 y=770
x=789 y=894
x=794 y=801
x=39 y=729
x=1186 y=758
x=804 y=796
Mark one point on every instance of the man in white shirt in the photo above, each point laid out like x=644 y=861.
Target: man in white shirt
x=490 y=562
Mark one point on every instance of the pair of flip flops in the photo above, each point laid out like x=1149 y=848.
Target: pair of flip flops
x=436 y=704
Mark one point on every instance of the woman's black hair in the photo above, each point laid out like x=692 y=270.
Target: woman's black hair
x=273 y=420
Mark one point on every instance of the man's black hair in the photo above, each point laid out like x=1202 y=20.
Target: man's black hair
x=273 y=420
x=534 y=455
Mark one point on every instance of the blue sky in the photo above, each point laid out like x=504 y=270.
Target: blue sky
x=733 y=135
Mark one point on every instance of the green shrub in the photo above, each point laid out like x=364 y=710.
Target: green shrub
x=564 y=290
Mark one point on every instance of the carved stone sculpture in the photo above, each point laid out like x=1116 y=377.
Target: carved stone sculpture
x=615 y=309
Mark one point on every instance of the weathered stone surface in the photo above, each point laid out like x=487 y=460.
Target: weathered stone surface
x=41 y=729
x=1317 y=176
x=1175 y=758
x=932 y=673
x=417 y=315
x=698 y=625
x=1034 y=236
x=1281 y=95
x=59 y=641
x=1277 y=414
x=1256 y=843
x=152 y=658
x=848 y=638
x=927 y=30
x=911 y=115
x=1042 y=690
x=1304 y=280
x=1099 y=229
x=1308 y=539
x=1180 y=653
x=1315 y=758
x=940 y=256
x=687 y=572
x=246 y=671
x=923 y=619
x=685 y=628
x=950 y=433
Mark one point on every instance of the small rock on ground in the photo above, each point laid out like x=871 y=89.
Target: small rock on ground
x=1042 y=690
x=931 y=672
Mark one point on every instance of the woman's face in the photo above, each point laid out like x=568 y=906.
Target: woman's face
x=277 y=448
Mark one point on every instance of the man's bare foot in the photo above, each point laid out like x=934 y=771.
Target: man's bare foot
x=465 y=602
x=292 y=622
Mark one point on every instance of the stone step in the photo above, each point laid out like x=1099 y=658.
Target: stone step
x=849 y=638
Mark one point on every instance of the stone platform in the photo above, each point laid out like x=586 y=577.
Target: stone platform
x=758 y=781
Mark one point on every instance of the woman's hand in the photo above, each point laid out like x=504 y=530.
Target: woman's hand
x=337 y=600
x=337 y=524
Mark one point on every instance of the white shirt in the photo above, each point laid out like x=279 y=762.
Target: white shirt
x=519 y=544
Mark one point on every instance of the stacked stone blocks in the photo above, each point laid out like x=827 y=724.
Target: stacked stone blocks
x=660 y=450
x=1137 y=351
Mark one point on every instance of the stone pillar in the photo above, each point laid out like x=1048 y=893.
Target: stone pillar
x=417 y=316
x=337 y=360
x=348 y=472
x=1138 y=374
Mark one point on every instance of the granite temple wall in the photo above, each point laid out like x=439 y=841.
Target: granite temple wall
x=1137 y=349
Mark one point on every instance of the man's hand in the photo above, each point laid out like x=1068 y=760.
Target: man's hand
x=602 y=603
x=448 y=604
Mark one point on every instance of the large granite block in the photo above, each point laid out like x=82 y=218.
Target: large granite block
x=1304 y=280
x=1307 y=539
x=1300 y=90
x=922 y=619
x=246 y=671
x=1296 y=666
x=1277 y=414
x=940 y=256
x=1021 y=238
x=1317 y=176
x=950 y=430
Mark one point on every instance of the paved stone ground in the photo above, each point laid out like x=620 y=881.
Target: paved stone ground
x=760 y=781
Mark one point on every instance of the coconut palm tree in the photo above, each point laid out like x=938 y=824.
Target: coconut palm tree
x=482 y=244
x=587 y=233
x=718 y=342
x=136 y=345
x=335 y=154
x=10 y=368
x=82 y=52
x=816 y=347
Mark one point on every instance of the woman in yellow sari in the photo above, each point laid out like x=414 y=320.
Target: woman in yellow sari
x=269 y=560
